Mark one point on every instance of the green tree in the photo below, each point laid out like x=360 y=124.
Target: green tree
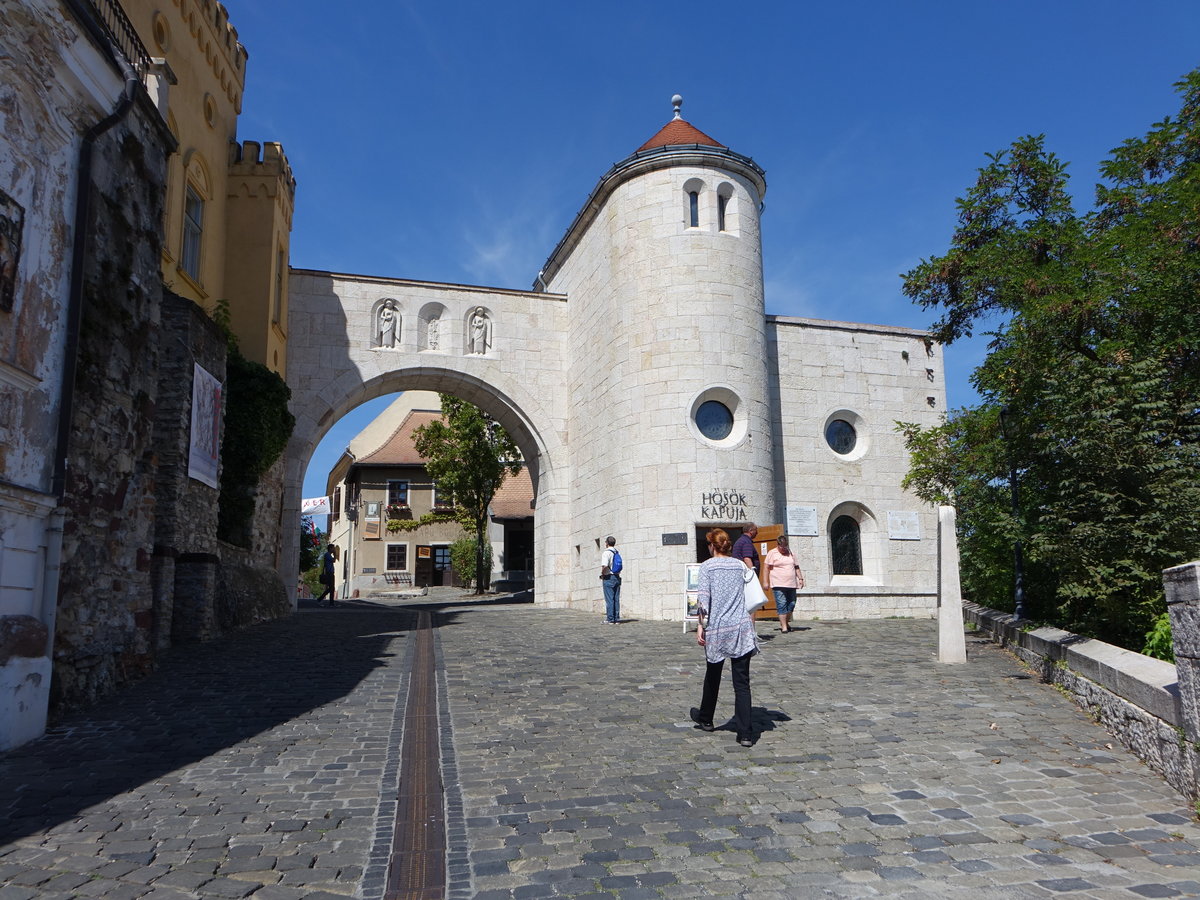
x=464 y=554
x=1095 y=353
x=469 y=454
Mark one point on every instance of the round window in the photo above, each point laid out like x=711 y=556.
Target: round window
x=714 y=420
x=841 y=436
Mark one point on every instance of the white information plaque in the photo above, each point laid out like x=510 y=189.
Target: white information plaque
x=802 y=521
x=904 y=526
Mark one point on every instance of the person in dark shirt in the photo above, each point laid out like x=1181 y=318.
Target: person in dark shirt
x=327 y=570
x=744 y=549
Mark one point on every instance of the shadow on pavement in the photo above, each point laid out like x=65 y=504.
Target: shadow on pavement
x=203 y=699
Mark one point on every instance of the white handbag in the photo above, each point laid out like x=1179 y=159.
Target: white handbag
x=755 y=598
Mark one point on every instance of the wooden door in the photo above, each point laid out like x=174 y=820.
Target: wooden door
x=765 y=542
x=423 y=572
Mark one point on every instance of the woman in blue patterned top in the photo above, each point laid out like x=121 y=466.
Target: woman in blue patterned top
x=725 y=631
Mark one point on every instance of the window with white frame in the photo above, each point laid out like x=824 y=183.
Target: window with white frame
x=442 y=499
x=193 y=229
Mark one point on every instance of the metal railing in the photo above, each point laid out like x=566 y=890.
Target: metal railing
x=111 y=17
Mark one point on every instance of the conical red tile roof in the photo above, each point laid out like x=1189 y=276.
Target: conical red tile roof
x=677 y=131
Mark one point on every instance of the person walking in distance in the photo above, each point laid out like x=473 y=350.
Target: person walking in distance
x=784 y=577
x=610 y=577
x=327 y=565
x=725 y=631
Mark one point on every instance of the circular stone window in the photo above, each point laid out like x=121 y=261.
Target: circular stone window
x=714 y=420
x=841 y=437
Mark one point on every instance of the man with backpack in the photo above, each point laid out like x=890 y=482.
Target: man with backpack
x=610 y=577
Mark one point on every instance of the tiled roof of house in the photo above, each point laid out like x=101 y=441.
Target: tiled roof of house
x=398 y=450
x=677 y=131
x=514 y=500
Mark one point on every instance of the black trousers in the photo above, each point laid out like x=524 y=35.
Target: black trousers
x=739 y=671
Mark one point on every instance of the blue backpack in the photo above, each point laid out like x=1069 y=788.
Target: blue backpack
x=617 y=565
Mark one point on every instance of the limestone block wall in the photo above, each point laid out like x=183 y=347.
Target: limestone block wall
x=872 y=377
x=340 y=356
x=663 y=315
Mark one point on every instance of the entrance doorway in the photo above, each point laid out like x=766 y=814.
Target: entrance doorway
x=433 y=566
x=764 y=542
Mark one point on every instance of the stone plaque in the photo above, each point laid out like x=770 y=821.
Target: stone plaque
x=802 y=521
x=675 y=538
x=904 y=526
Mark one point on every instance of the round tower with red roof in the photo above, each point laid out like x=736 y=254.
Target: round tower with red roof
x=668 y=373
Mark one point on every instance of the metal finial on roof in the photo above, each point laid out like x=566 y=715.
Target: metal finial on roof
x=677 y=101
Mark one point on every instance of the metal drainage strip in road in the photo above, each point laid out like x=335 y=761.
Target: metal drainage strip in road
x=417 y=867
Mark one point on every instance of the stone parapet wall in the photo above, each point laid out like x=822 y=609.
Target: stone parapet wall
x=1135 y=697
x=247 y=590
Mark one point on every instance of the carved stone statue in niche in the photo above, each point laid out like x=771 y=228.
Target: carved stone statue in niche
x=481 y=331
x=432 y=332
x=386 y=329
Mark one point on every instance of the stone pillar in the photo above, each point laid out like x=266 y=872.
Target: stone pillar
x=1182 y=584
x=952 y=643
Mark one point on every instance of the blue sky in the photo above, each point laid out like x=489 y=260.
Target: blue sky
x=455 y=141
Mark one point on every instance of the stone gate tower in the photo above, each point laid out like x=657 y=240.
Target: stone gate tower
x=668 y=352
x=651 y=394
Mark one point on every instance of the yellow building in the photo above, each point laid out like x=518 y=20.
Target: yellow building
x=229 y=205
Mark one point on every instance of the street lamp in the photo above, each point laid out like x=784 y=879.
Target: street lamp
x=1018 y=557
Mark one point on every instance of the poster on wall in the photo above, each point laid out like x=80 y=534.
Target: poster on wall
x=12 y=225
x=372 y=520
x=204 y=453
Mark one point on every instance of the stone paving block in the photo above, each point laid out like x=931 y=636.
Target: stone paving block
x=307 y=791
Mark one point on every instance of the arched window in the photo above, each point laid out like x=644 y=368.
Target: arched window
x=722 y=202
x=847 y=551
x=693 y=209
x=193 y=230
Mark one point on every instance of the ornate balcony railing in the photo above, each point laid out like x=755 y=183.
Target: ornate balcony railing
x=111 y=17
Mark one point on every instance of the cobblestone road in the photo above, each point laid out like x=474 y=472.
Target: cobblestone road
x=266 y=766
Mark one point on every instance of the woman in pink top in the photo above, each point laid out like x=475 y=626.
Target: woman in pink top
x=784 y=577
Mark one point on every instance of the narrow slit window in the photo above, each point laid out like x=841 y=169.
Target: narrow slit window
x=693 y=209
x=722 y=202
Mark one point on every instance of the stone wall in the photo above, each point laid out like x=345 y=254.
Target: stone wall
x=105 y=631
x=247 y=592
x=186 y=508
x=871 y=377
x=1135 y=697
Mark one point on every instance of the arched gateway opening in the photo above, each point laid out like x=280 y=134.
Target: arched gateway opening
x=355 y=338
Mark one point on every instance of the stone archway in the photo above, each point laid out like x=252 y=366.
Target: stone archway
x=354 y=338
